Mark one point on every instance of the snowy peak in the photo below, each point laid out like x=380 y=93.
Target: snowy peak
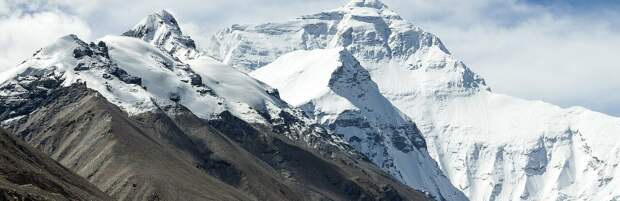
x=166 y=18
x=162 y=30
x=148 y=27
x=349 y=73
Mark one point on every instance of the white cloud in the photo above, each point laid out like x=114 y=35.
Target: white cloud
x=116 y=16
x=568 y=64
x=196 y=32
x=4 y=8
x=529 y=51
x=22 y=34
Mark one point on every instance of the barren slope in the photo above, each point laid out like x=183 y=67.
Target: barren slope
x=27 y=174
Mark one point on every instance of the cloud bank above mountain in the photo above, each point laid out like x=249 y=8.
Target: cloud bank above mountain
x=560 y=51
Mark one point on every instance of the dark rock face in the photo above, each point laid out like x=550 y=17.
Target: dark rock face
x=340 y=175
x=171 y=154
x=100 y=49
x=145 y=157
x=196 y=80
x=81 y=52
x=30 y=175
x=28 y=91
x=124 y=76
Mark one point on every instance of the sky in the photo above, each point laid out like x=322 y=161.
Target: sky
x=559 y=51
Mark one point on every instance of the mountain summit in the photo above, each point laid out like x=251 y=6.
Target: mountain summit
x=162 y=30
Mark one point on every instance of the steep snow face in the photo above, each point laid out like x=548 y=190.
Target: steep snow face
x=301 y=76
x=162 y=30
x=332 y=88
x=491 y=146
x=496 y=147
x=235 y=86
x=139 y=77
x=127 y=71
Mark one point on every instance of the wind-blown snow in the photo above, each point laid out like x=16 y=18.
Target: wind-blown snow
x=491 y=146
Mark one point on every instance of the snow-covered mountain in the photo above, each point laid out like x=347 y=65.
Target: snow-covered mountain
x=333 y=89
x=129 y=111
x=491 y=146
x=242 y=91
x=141 y=77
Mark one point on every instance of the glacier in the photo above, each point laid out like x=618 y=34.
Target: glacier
x=491 y=146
